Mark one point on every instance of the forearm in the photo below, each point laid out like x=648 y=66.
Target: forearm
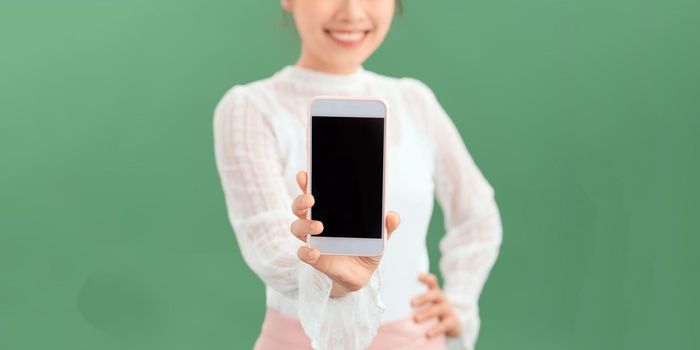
x=338 y=290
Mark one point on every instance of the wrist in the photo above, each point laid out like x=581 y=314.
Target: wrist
x=338 y=290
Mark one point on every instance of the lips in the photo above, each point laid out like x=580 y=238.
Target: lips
x=347 y=38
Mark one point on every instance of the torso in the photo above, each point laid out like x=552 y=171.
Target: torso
x=283 y=99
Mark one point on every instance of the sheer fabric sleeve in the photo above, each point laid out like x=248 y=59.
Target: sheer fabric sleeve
x=472 y=221
x=259 y=210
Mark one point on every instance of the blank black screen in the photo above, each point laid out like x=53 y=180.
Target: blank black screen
x=347 y=175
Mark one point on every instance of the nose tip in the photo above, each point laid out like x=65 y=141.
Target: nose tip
x=351 y=10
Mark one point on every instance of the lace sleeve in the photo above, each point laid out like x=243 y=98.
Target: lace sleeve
x=349 y=322
x=259 y=210
x=257 y=200
x=472 y=221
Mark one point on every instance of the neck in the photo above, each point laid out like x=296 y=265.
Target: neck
x=307 y=61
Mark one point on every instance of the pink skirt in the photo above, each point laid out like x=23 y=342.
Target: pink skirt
x=283 y=332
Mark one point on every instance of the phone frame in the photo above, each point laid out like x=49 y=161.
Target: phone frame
x=339 y=107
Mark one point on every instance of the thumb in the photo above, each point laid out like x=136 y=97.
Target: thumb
x=392 y=222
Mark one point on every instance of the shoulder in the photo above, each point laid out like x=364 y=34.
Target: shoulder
x=246 y=99
x=412 y=89
x=416 y=86
x=415 y=97
x=419 y=90
x=246 y=93
x=239 y=119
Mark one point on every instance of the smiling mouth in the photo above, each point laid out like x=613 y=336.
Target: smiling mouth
x=347 y=38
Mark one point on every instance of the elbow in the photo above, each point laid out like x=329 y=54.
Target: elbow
x=493 y=218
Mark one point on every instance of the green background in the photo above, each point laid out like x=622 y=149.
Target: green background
x=582 y=114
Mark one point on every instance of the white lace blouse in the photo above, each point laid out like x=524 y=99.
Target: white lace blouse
x=260 y=138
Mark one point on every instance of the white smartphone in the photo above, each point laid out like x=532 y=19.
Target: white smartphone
x=346 y=145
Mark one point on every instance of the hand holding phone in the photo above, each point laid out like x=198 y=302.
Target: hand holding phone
x=349 y=273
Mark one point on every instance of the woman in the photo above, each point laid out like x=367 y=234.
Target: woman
x=336 y=302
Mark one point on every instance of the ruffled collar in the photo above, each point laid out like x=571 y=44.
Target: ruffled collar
x=310 y=80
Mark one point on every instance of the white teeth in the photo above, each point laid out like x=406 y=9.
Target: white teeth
x=351 y=36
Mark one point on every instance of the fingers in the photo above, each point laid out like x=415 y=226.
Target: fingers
x=433 y=310
x=301 y=205
x=446 y=324
x=303 y=202
x=302 y=227
x=429 y=279
x=392 y=222
x=308 y=255
x=302 y=180
x=431 y=296
x=434 y=304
